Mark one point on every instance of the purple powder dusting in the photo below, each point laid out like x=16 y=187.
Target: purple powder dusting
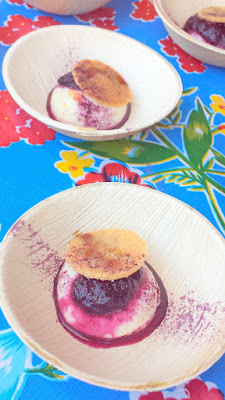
x=39 y=245
x=189 y=318
x=90 y=115
x=16 y=228
x=41 y=257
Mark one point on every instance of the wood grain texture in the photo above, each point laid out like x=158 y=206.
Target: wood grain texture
x=186 y=251
x=43 y=56
x=67 y=7
x=174 y=14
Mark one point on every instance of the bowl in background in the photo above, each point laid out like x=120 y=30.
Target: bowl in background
x=67 y=7
x=41 y=57
x=174 y=14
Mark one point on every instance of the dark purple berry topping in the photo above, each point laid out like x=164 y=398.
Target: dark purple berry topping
x=67 y=80
x=103 y=297
x=212 y=32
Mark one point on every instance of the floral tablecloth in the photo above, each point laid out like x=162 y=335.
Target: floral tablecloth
x=183 y=155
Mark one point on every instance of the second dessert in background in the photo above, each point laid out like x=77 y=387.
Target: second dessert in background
x=93 y=95
x=208 y=25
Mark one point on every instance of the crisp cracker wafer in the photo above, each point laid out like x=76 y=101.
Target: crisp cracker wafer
x=107 y=254
x=213 y=14
x=101 y=83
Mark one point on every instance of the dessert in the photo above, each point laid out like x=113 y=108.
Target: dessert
x=93 y=95
x=105 y=293
x=208 y=25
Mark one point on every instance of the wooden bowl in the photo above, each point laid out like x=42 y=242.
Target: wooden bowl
x=186 y=251
x=174 y=14
x=41 y=57
x=67 y=7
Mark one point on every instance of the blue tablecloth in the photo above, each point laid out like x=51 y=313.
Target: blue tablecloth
x=183 y=155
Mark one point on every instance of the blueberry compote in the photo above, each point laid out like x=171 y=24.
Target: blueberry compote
x=104 y=297
x=110 y=313
x=67 y=80
x=207 y=31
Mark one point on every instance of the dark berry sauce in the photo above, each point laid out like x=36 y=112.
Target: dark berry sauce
x=132 y=338
x=102 y=297
x=212 y=32
x=67 y=80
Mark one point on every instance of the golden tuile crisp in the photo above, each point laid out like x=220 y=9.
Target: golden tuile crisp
x=213 y=14
x=101 y=83
x=107 y=254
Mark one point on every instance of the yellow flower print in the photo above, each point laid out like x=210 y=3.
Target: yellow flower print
x=218 y=104
x=72 y=164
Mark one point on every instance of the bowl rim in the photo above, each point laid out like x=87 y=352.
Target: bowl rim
x=82 y=132
x=164 y=16
x=53 y=11
x=63 y=366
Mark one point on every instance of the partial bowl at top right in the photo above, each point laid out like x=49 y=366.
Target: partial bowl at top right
x=175 y=13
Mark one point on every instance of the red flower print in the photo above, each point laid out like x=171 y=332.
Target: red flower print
x=143 y=10
x=105 y=23
x=187 y=62
x=102 y=17
x=16 y=124
x=195 y=390
x=42 y=22
x=19 y=3
x=198 y=390
x=8 y=131
x=112 y=172
x=106 y=12
x=155 y=396
x=36 y=132
x=17 y=26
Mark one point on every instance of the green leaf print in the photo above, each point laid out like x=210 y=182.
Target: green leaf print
x=207 y=110
x=209 y=164
x=177 y=118
x=189 y=91
x=128 y=151
x=197 y=135
x=197 y=169
x=48 y=370
x=181 y=177
x=219 y=157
